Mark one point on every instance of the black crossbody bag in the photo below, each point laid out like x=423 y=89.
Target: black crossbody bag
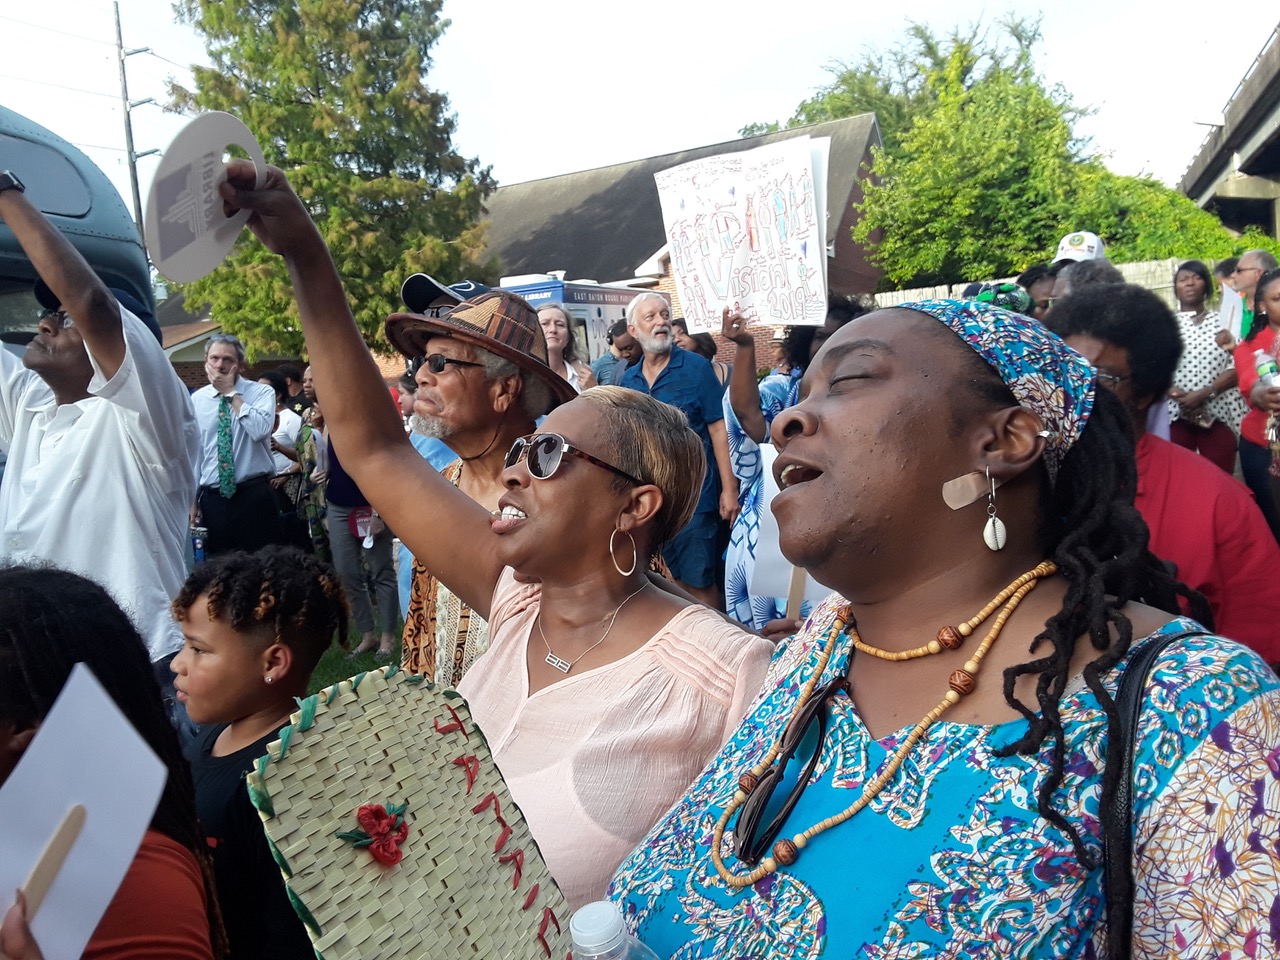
x=1117 y=835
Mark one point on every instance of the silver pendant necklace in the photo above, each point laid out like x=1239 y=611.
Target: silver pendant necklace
x=563 y=665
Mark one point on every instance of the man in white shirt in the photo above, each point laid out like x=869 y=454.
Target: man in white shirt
x=100 y=436
x=236 y=417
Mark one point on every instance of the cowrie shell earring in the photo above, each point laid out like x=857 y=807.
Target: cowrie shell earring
x=994 y=533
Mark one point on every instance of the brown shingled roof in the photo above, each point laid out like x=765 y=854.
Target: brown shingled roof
x=182 y=332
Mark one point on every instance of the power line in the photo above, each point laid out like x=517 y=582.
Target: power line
x=81 y=36
x=60 y=86
x=180 y=66
x=65 y=33
x=98 y=146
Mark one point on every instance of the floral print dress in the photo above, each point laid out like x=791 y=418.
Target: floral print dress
x=777 y=392
x=953 y=859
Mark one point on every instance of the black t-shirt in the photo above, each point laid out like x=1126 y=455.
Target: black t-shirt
x=259 y=919
x=299 y=404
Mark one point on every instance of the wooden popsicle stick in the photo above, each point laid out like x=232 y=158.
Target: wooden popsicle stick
x=795 y=593
x=51 y=860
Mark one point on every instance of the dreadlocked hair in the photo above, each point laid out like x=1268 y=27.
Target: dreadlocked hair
x=280 y=592
x=50 y=620
x=1095 y=535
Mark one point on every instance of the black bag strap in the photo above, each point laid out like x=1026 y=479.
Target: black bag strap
x=1117 y=829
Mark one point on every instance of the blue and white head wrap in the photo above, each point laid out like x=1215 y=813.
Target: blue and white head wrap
x=1045 y=375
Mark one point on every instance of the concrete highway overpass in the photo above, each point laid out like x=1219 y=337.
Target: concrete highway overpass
x=1236 y=173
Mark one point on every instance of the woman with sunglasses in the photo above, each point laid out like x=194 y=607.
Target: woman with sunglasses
x=601 y=694
x=930 y=769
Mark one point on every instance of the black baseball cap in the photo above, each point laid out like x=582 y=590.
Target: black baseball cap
x=49 y=300
x=421 y=293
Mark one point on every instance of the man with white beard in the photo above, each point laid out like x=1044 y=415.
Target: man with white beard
x=478 y=394
x=687 y=381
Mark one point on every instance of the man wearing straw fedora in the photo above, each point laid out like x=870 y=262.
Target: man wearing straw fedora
x=483 y=380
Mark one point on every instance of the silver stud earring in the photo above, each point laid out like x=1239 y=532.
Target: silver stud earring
x=269 y=679
x=994 y=532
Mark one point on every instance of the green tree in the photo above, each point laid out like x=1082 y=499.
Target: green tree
x=334 y=90
x=1141 y=219
x=1254 y=238
x=894 y=84
x=981 y=180
x=989 y=174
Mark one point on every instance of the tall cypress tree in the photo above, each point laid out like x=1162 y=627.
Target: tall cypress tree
x=335 y=91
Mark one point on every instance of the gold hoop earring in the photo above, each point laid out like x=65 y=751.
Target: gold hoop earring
x=635 y=556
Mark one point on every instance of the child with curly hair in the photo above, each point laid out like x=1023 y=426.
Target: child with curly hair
x=255 y=626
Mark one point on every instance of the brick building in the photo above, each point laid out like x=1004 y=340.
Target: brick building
x=184 y=335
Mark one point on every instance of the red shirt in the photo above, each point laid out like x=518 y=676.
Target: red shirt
x=1254 y=426
x=159 y=911
x=1205 y=521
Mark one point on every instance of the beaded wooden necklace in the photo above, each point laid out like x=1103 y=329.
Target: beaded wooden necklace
x=962 y=682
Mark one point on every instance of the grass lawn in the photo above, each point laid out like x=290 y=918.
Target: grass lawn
x=335 y=666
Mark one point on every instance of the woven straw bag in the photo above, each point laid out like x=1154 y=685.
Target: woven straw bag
x=470 y=881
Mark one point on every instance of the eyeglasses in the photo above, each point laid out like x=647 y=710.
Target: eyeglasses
x=1112 y=380
x=1243 y=269
x=544 y=452
x=61 y=316
x=750 y=841
x=436 y=362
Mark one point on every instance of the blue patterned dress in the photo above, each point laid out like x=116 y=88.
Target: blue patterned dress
x=952 y=859
x=777 y=392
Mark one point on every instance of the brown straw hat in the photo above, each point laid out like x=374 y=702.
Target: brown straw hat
x=503 y=323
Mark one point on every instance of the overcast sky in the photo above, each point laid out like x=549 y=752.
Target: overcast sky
x=604 y=83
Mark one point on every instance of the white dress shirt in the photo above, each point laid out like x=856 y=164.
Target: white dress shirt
x=287 y=430
x=102 y=487
x=250 y=431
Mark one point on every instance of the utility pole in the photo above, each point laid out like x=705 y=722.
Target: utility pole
x=132 y=157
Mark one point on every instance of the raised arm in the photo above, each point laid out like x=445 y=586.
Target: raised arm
x=82 y=294
x=744 y=389
x=443 y=527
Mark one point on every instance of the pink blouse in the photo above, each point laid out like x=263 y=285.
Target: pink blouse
x=596 y=759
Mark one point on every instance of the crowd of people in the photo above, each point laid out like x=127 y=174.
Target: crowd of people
x=1022 y=502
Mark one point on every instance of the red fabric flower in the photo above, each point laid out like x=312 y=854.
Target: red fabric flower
x=386 y=849
x=374 y=820
x=382 y=829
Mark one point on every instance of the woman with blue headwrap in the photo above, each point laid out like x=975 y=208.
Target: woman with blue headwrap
x=929 y=766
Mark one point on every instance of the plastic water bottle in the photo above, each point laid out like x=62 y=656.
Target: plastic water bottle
x=198 y=537
x=599 y=934
x=1268 y=372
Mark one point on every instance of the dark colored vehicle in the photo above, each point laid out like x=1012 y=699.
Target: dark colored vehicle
x=79 y=199
x=81 y=202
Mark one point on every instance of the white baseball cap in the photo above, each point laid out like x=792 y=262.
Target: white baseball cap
x=1081 y=245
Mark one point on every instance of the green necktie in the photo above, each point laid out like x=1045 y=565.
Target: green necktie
x=226 y=462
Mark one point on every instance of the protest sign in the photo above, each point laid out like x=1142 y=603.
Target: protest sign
x=748 y=231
